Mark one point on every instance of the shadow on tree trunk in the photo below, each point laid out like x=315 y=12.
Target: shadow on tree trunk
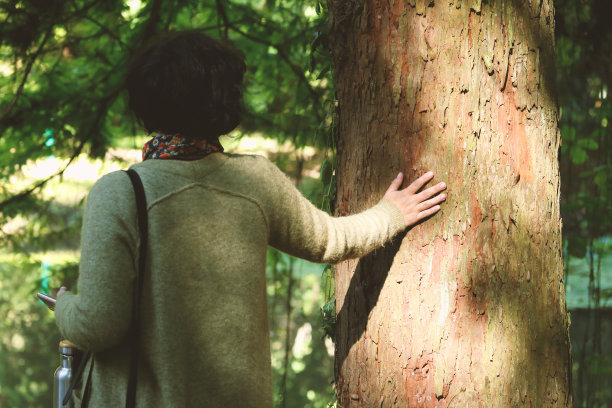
x=362 y=295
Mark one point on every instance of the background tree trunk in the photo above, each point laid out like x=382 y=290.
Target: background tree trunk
x=468 y=308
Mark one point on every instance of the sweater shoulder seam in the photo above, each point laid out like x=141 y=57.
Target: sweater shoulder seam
x=220 y=190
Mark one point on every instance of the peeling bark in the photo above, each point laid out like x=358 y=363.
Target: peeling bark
x=468 y=308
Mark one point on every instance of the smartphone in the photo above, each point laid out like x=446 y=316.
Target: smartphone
x=47 y=300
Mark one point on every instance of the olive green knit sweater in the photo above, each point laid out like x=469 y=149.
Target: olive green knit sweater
x=205 y=340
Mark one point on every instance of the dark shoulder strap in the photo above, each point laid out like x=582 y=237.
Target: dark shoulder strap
x=143 y=227
x=76 y=377
x=141 y=206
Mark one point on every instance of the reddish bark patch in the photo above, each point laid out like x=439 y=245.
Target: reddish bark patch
x=440 y=251
x=419 y=383
x=456 y=243
x=515 y=151
x=475 y=209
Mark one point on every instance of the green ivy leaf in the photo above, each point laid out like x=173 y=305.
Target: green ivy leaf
x=601 y=181
x=326 y=172
x=327 y=282
x=588 y=144
x=568 y=133
x=578 y=154
x=328 y=318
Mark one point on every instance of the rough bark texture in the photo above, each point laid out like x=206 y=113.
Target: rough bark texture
x=468 y=308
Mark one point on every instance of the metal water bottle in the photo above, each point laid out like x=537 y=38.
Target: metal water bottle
x=61 y=379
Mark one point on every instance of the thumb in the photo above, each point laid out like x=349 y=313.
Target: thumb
x=396 y=183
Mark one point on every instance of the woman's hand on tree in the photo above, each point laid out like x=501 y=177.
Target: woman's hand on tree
x=415 y=205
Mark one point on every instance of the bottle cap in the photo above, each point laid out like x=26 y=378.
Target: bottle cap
x=66 y=347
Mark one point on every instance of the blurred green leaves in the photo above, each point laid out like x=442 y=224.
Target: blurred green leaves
x=28 y=337
x=61 y=70
x=584 y=57
x=328 y=311
x=584 y=77
x=62 y=65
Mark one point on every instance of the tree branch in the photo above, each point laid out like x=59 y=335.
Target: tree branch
x=109 y=32
x=30 y=190
x=95 y=124
x=223 y=14
x=82 y=11
x=295 y=68
x=26 y=74
x=7 y=110
x=149 y=29
x=283 y=55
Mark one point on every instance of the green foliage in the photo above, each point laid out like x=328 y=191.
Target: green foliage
x=328 y=178
x=328 y=318
x=28 y=337
x=333 y=404
x=61 y=70
x=62 y=66
x=584 y=57
x=302 y=367
x=328 y=311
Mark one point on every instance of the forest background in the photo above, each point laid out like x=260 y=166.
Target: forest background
x=64 y=123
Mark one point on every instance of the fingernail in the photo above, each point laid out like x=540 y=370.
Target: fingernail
x=430 y=173
x=443 y=196
x=442 y=185
x=399 y=175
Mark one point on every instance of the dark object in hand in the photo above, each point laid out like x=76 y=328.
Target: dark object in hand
x=47 y=300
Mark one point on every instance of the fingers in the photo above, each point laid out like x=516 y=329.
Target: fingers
x=415 y=205
x=420 y=182
x=431 y=202
x=396 y=183
x=431 y=191
x=427 y=213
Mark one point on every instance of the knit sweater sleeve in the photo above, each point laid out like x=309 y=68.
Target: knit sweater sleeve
x=98 y=315
x=300 y=229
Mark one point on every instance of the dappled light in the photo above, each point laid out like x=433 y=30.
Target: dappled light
x=467 y=306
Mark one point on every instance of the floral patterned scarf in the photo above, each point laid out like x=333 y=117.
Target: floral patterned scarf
x=177 y=147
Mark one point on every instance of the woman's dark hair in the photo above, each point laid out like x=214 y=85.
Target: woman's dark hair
x=187 y=83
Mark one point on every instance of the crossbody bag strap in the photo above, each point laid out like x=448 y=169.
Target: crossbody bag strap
x=76 y=377
x=143 y=228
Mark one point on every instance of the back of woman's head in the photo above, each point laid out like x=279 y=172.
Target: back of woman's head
x=187 y=83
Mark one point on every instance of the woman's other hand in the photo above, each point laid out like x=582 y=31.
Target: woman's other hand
x=415 y=205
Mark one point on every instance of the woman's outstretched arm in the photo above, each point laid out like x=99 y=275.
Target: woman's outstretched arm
x=299 y=228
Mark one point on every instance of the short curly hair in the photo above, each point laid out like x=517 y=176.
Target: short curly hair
x=187 y=83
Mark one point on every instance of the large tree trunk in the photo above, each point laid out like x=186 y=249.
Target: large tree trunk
x=468 y=308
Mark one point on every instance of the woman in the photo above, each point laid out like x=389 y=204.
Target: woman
x=204 y=325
